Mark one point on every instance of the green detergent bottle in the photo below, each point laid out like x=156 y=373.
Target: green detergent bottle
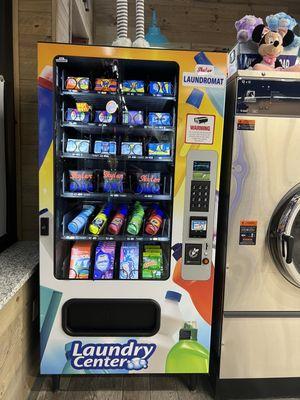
x=136 y=220
x=187 y=355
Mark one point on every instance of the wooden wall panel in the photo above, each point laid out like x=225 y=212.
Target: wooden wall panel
x=34 y=23
x=63 y=31
x=190 y=23
x=18 y=343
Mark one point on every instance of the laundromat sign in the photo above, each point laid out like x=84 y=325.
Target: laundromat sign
x=211 y=81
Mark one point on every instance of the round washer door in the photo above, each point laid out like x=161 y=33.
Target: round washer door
x=284 y=236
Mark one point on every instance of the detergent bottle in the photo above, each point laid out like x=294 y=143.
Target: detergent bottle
x=187 y=355
x=154 y=221
x=98 y=223
x=136 y=219
x=78 y=223
x=118 y=220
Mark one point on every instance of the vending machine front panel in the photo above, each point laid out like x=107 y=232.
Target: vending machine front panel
x=130 y=151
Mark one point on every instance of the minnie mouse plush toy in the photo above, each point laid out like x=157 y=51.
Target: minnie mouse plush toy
x=270 y=46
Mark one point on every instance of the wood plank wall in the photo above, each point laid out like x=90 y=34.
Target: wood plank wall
x=190 y=24
x=19 y=343
x=33 y=23
x=63 y=21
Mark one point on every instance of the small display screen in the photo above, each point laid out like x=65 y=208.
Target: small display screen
x=203 y=166
x=201 y=170
x=198 y=227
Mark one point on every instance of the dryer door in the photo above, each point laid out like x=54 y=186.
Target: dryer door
x=284 y=236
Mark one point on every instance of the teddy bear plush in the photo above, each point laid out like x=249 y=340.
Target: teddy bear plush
x=270 y=46
x=282 y=20
x=245 y=27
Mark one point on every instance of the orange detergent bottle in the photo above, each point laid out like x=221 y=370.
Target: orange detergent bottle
x=201 y=292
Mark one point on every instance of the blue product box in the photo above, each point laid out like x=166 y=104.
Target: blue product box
x=160 y=119
x=134 y=86
x=104 y=117
x=77 y=116
x=133 y=118
x=132 y=148
x=129 y=260
x=104 y=260
x=102 y=147
x=159 y=149
x=78 y=146
x=157 y=88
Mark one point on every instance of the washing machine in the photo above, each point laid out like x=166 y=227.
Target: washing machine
x=261 y=214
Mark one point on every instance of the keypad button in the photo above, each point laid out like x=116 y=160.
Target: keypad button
x=199 y=196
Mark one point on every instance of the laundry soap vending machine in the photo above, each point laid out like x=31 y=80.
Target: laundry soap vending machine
x=129 y=156
x=261 y=311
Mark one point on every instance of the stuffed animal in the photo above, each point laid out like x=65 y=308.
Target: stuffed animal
x=245 y=27
x=270 y=46
x=280 y=21
x=296 y=42
x=283 y=21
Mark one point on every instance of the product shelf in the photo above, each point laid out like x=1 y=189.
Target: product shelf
x=163 y=234
x=107 y=196
x=121 y=128
x=116 y=275
x=116 y=157
x=129 y=193
x=117 y=238
x=93 y=97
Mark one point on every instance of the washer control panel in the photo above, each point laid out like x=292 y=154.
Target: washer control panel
x=199 y=213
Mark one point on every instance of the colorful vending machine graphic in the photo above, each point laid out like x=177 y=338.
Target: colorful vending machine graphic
x=129 y=159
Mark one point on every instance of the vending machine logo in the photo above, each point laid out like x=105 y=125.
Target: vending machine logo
x=204 y=80
x=205 y=69
x=131 y=355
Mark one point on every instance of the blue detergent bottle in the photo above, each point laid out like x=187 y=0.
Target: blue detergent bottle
x=78 y=223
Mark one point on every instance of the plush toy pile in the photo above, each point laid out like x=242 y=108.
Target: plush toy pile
x=271 y=38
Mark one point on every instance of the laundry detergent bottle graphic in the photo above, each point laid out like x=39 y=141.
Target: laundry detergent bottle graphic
x=187 y=355
x=171 y=319
x=171 y=322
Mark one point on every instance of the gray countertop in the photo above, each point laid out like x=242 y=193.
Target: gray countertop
x=17 y=264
